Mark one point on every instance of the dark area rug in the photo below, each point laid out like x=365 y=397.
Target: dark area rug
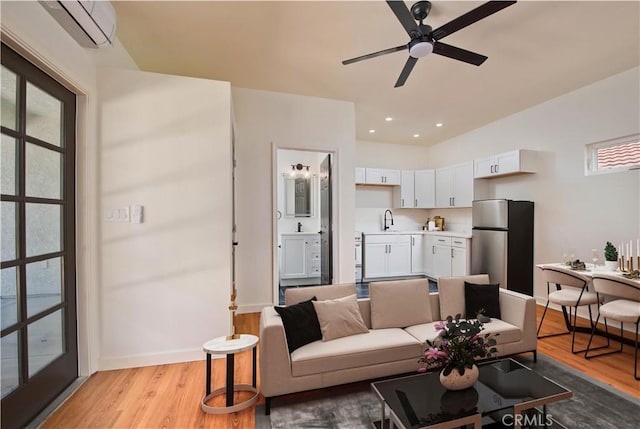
x=593 y=405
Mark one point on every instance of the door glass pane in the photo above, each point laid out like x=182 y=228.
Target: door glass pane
x=43 y=228
x=43 y=172
x=9 y=357
x=9 y=89
x=8 y=165
x=44 y=285
x=44 y=115
x=45 y=339
x=8 y=296
x=8 y=230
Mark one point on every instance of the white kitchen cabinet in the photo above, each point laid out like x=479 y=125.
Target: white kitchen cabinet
x=417 y=190
x=447 y=256
x=403 y=196
x=381 y=176
x=513 y=162
x=429 y=255
x=387 y=255
x=424 y=189
x=300 y=256
x=360 y=176
x=454 y=186
x=418 y=254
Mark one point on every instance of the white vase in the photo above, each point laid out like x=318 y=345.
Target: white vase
x=455 y=381
x=611 y=265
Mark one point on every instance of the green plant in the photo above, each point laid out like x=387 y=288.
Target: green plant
x=458 y=345
x=610 y=252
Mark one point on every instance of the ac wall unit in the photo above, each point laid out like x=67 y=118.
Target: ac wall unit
x=92 y=23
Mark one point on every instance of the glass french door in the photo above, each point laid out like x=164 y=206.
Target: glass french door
x=38 y=349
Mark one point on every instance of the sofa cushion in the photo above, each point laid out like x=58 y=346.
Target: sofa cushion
x=451 y=291
x=339 y=317
x=300 y=324
x=398 y=304
x=374 y=347
x=508 y=332
x=482 y=296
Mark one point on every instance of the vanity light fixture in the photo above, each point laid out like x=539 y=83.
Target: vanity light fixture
x=296 y=169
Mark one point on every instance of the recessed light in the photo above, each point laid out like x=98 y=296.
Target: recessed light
x=439 y=124
x=372 y=131
x=388 y=119
x=416 y=135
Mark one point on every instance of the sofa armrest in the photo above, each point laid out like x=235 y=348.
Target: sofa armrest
x=275 y=362
x=520 y=310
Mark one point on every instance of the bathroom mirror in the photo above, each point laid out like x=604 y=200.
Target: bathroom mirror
x=299 y=196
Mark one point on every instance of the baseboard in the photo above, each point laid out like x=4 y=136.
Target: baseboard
x=135 y=361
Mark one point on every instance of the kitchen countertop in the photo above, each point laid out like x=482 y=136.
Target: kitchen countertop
x=445 y=233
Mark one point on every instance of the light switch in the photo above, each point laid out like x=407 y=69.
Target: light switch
x=119 y=214
x=136 y=213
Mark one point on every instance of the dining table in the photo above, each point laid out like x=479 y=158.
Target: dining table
x=587 y=273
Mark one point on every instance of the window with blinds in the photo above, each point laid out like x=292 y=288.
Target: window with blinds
x=613 y=155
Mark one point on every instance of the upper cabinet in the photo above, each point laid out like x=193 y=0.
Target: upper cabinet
x=416 y=190
x=514 y=162
x=425 y=189
x=454 y=186
x=381 y=176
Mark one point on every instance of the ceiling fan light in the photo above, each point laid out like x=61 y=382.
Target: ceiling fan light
x=420 y=49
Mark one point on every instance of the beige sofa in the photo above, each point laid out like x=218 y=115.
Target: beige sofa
x=382 y=351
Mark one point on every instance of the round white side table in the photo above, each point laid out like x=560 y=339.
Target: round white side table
x=223 y=346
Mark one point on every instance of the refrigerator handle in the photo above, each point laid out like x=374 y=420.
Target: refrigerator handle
x=451 y=253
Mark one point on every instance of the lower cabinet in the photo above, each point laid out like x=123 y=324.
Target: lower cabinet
x=418 y=247
x=387 y=255
x=447 y=256
x=300 y=256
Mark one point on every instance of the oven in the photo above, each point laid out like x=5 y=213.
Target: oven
x=358 y=247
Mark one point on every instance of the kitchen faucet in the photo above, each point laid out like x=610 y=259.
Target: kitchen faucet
x=386 y=227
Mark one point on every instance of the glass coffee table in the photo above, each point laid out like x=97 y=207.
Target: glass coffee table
x=506 y=395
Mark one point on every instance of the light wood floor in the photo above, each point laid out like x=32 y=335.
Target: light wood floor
x=168 y=396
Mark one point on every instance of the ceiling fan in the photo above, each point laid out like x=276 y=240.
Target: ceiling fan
x=425 y=40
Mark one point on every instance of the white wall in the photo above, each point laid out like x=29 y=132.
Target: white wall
x=571 y=210
x=165 y=144
x=29 y=29
x=265 y=121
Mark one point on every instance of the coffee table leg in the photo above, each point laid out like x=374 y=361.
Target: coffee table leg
x=230 y=368
x=207 y=388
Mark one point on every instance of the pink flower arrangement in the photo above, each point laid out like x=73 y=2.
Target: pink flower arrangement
x=458 y=345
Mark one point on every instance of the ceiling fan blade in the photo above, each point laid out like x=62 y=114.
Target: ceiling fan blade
x=458 y=53
x=408 y=66
x=375 y=54
x=404 y=16
x=470 y=17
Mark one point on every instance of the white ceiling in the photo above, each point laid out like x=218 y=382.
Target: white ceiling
x=537 y=50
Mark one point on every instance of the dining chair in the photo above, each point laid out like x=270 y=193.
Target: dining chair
x=623 y=305
x=571 y=292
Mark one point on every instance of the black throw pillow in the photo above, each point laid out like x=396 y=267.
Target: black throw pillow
x=486 y=296
x=301 y=324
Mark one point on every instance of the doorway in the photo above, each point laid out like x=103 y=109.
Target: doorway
x=38 y=295
x=304 y=213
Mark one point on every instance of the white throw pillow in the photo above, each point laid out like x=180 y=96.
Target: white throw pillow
x=339 y=317
x=398 y=304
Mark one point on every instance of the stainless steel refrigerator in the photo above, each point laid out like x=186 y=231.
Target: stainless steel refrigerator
x=502 y=243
